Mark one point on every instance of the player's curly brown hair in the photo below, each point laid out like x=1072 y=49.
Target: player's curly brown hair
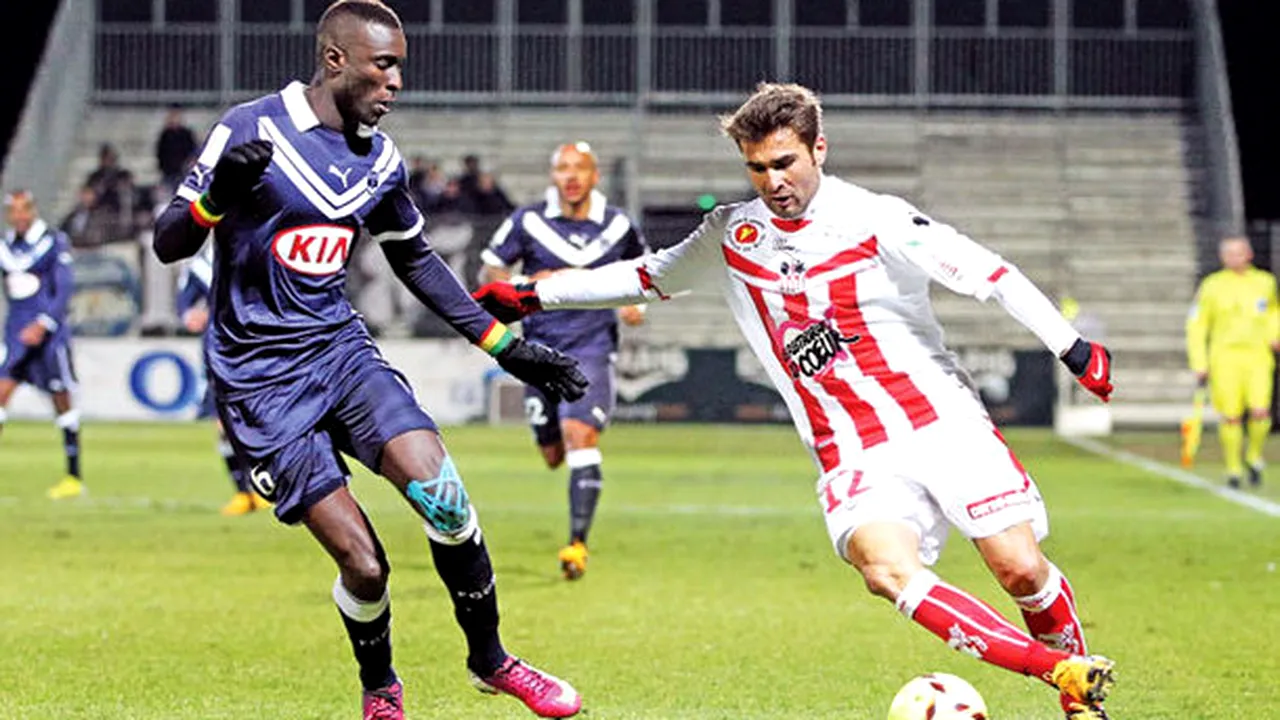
x=774 y=106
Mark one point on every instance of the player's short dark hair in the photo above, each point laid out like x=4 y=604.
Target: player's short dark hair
x=774 y=106
x=373 y=11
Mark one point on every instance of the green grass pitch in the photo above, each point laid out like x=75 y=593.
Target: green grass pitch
x=712 y=590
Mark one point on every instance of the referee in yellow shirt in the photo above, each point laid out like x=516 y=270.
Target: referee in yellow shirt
x=1232 y=332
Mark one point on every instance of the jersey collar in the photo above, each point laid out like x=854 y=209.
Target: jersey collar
x=597 y=202
x=295 y=103
x=34 y=233
x=303 y=117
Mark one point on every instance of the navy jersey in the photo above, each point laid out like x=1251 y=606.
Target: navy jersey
x=540 y=238
x=279 y=312
x=37 y=278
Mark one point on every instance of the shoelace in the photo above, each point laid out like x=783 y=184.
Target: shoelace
x=385 y=706
x=528 y=679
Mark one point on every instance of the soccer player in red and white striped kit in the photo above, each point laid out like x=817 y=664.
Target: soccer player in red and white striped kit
x=829 y=283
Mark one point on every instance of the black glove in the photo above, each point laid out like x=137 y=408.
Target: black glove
x=552 y=372
x=236 y=174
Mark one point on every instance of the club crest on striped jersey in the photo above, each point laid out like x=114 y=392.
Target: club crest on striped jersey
x=746 y=233
x=313 y=249
x=812 y=347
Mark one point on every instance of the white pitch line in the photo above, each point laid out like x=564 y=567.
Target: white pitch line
x=1175 y=474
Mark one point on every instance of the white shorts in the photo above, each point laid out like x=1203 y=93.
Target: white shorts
x=949 y=473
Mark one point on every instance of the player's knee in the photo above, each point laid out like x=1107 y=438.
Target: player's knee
x=886 y=579
x=579 y=435
x=553 y=455
x=1021 y=574
x=364 y=573
x=443 y=503
x=1260 y=414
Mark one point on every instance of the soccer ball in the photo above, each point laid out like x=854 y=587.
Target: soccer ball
x=938 y=696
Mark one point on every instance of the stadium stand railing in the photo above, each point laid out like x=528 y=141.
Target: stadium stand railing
x=1069 y=150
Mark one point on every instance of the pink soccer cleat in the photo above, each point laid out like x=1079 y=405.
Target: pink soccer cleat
x=546 y=695
x=384 y=703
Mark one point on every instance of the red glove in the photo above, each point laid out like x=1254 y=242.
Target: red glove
x=506 y=302
x=1091 y=364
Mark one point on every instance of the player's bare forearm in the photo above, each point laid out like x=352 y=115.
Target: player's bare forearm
x=433 y=283
x=177 y=234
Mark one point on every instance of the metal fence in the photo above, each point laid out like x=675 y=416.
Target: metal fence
x=624 y=66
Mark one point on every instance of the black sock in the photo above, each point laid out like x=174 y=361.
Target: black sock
x=584 y=493
x=371 y=640
x=466 y=572
x=236 y=469
x=71 y=444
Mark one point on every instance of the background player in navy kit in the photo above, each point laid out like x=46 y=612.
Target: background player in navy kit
x=193 y=310
x=35 y=260
x=573 y=227
x=288 y=182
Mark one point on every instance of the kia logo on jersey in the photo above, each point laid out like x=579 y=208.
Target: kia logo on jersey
x=313 y=249
x=747 y=233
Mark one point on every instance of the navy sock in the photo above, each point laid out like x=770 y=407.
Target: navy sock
x=71 y=443
x=467 y=573
x=585 y=481
x=369 y=627
x=69 y=422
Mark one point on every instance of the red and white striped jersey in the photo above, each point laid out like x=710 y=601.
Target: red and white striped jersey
x=836 y=306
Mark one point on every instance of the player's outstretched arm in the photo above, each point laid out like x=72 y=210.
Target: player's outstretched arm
x=964 y=266
x=657 y=276
x=431 y=280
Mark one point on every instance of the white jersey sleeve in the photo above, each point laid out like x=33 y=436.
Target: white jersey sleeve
x=909 y=237
x=655 y=276
x=965 y=267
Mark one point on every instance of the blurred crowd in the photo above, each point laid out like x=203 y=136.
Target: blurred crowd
x=113 y=214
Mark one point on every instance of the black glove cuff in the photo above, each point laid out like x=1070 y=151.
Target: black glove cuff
x=515 y=342
x=1077 y=358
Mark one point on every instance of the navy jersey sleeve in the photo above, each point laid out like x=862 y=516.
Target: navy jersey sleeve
x=506 y=247
x=54 y=270
x=397 y=216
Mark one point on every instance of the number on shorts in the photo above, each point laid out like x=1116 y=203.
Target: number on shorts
x=536 y=411
x=262 y=481
x=829 y=493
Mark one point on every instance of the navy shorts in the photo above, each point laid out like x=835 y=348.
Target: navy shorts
x=46 y=366
x=361 y=414
x=594 y=408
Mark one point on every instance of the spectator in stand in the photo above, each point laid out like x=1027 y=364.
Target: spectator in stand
x=80 y=224
x=478 y=192
x=112 y=183
x=175 y=149
x=489 y=198
x=426 y=182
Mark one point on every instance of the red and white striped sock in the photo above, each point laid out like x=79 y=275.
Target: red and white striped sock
x=973 y=627
x=1051 y=615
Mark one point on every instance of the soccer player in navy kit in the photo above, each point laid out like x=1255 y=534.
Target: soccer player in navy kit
x=193 y=310
x=287 y=183
x=35 y=260
x=573 y=227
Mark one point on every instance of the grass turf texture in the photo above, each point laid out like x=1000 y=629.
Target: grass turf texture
x=712 y=590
